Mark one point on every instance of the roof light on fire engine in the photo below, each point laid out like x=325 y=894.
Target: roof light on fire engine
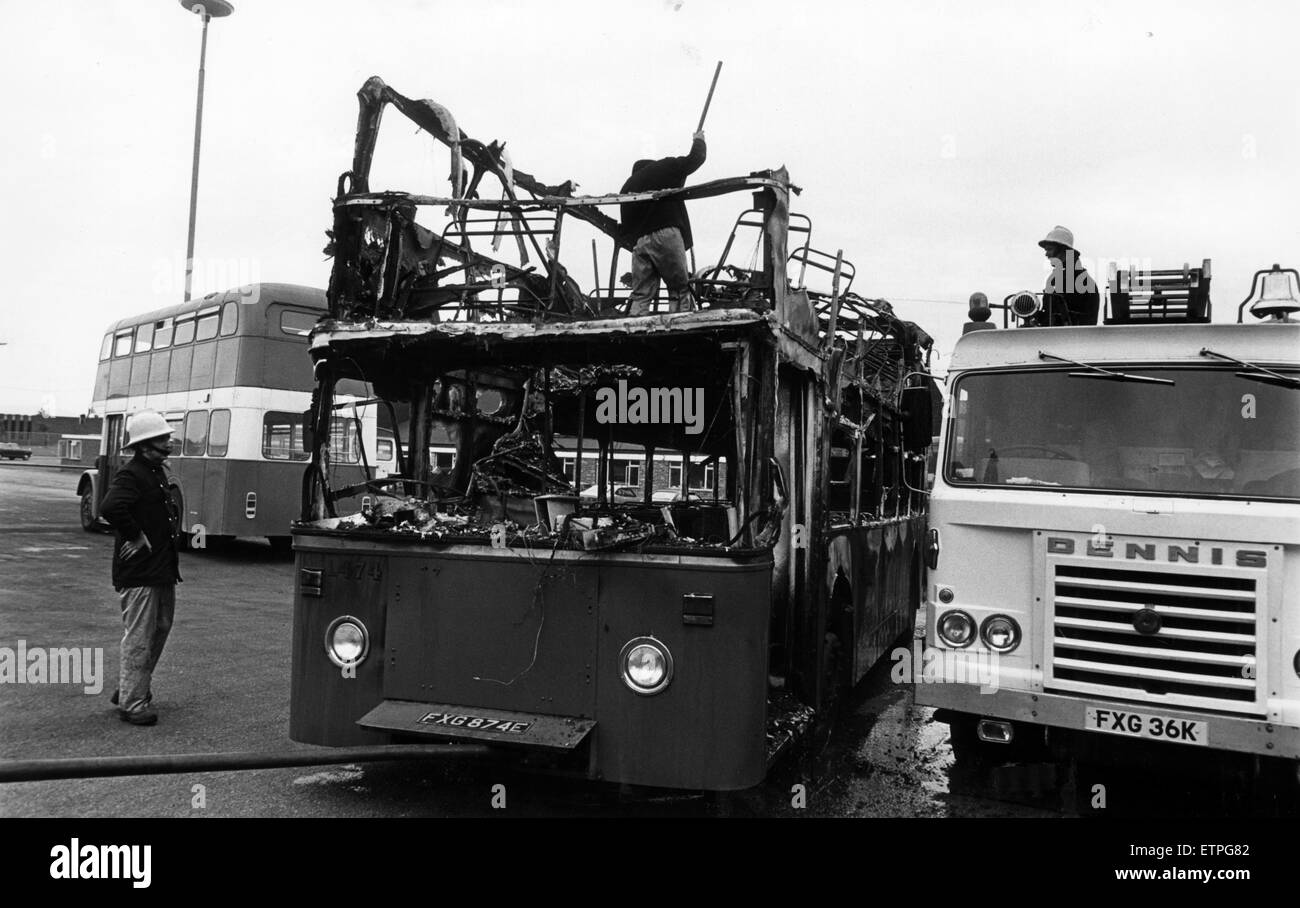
x=956 y=629
x=646 y=665
x=1000 y=633
x=346 y=641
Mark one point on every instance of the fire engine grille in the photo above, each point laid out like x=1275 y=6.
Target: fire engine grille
x=1203 y=654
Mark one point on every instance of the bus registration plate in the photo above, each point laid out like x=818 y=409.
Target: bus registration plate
x=1146 y=725
x=480 y=723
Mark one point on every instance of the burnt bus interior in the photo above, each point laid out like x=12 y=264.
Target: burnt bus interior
x=784 y=394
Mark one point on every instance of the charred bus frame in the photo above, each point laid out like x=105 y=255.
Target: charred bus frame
x=677 y=645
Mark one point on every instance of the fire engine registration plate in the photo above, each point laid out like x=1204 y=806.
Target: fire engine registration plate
x=1146 y=725
x=461 y=720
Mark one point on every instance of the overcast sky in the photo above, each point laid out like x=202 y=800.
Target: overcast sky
x=936 y=142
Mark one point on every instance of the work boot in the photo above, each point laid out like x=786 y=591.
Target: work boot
x=146 y=716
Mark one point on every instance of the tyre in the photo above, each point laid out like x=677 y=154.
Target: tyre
x=88 y=511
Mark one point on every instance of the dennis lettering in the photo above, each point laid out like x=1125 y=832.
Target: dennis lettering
x=1149 y=551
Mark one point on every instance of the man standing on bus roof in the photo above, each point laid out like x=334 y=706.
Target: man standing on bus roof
x=146 y=566
x=659 y=231
x=1070 y=297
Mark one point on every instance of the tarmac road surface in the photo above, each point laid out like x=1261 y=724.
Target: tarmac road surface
x=223 y=685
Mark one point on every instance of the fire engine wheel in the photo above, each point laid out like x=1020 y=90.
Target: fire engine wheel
x=88 y=511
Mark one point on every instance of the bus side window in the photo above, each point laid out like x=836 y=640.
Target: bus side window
x=184 y=330
x=177 y=422
x=282 y=436
x=344 y=447
x=840 y=478
x=144 y=338
x=297 y=322
x=162 y=334
x=229 y=319
x=196 y=433
x=206 y=326
x=122 y=343
x=869 y=489
x=219 y=433
x=106 y=349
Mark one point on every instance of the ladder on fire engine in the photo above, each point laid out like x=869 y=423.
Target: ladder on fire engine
x=1174 y=296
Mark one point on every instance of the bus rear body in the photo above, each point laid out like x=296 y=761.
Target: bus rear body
x=228 y=372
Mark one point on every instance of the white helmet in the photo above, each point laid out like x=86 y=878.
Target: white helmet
x=1061 y=236
x=145 y=425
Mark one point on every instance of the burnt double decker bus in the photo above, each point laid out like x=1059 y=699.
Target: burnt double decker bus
x=640 y=635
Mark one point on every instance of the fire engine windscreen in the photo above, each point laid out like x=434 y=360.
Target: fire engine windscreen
x=1210 y=434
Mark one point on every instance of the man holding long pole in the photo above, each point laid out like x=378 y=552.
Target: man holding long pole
x=659 y=231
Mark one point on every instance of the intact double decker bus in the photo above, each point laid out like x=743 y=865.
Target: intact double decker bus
x=676 y=644
x=231 y=375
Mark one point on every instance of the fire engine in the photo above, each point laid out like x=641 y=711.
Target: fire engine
x=1115 y=525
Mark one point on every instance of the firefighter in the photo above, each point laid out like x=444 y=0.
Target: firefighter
x=146 y=567
x=1070 y=297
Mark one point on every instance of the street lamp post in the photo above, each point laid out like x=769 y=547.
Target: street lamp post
x=208 y=9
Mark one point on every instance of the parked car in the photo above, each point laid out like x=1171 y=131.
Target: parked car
x=668 y=496
x=622 y=494
x=11 y=451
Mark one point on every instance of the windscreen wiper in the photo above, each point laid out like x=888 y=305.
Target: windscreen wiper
x=1257 y=372
x=1099 y=372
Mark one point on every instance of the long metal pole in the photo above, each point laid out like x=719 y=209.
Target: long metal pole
x=194 y=177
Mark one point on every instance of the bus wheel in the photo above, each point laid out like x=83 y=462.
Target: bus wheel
x=88 y=511
x=281 y=546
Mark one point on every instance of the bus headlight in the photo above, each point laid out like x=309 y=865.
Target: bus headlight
x=646 y=665
x=956 y=629
x=346 y=641
x=1000 y=633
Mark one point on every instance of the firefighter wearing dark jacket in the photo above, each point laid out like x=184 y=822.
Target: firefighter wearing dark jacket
x=659 y=231
x=1070 y=296
x=146 y=567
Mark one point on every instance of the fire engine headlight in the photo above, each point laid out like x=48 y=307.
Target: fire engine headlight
x=956 y=629
x=1000 y=633
x=646 y=665
x=346 y=641
x=1295 y=662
